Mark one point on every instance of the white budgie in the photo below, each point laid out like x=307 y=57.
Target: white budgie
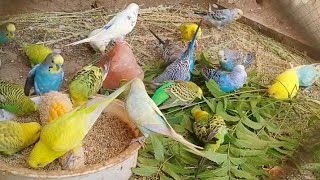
x=117 y=28
x=97 y=45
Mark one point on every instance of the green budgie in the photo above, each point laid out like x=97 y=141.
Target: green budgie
x=7 y=32
x=177 y=93
x=86 y=83
x=12 y=99
x=16 y=136
x=147 y=116
x=36 y=53
x=208 y=129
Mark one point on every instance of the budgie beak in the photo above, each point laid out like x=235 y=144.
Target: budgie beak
x=59 y=66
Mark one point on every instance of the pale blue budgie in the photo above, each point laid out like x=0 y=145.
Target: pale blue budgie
x=221 y=18
x=227 y=81
x=47 y=76
x=308 y=74
x=182 y=68
x=116 y=29
x=147 y=116
x=230 y=58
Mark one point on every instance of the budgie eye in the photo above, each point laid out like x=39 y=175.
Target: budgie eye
x=52 y=61
x=50 y=67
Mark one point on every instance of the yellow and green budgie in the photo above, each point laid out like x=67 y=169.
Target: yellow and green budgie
x=67 y=131
x=285 y=86
x=16 y=136
x=13 y=99
x=86 y=83
x=36 y=53
x=187 y=31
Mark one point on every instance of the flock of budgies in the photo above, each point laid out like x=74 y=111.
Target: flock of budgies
x=54 y=137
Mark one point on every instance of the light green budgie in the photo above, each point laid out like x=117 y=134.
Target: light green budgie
x=36 y=53
x=86 y=83
x=149 y=119
x=16 y=136
x=13 y=99
x=67 y=131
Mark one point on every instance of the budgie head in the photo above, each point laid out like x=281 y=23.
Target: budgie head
x=31 y=132
x=195 y=89
x=28 y=106
x=199 y=115
x=132 y=11
x=54 y=62
x=41 y=155
x=237 y=13
x=11 y=29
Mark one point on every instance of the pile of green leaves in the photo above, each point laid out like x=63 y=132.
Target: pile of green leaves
x=259 y=136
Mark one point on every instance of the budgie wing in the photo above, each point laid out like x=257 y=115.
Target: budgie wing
x=10 y=136
x=220 y=15
x=30 y=80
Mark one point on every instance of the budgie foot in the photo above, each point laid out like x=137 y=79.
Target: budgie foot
x=220 y=28
x=73 y=160
x=141 y=140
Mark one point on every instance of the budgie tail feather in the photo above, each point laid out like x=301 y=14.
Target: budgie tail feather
x=248 y=59
x=92 y=38
x=159 y=39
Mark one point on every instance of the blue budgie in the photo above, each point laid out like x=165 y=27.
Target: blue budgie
x=230 y=58
x=308 y=74
x=47 y=76
x=227 y=81
x=116 y=29
x=221 y=18
x=7 y=32
x=182 y=68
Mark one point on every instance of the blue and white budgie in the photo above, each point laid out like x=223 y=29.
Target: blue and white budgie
x=182 y=68
x=47 y=76
x=147 y=116
x=228 y=59
x=308 y=74
x=116 y=29
x=228 y=82
x=221 y=18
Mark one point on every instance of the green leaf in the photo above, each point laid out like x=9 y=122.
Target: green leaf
x=185 y=156
x=219 y=172
x=215 y=157
x=249 y=144
x=178 y=169
x=163 y=177
x=210 y=104
x=252 y=124
x=145 y=171
x=214 y=88
x=246 y=152
x=261 y=160
x=158 y=148
x=148 y=162
x=170 y=172
x=186 y=123
x=179 y=128
x=242 y=174
x=256 y=171
x=237 y=161
x=243 y=129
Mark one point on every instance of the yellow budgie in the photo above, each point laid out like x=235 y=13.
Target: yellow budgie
x=16 y=136
x=67 y=132
x=285 y=86
x=36 y=53
x=187 y=31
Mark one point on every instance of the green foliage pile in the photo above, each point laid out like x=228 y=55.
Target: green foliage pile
x=260 y=134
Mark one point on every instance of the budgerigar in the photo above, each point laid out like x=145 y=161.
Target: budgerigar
x=47 y=76
x=230 y=58
x=188 y=30
x=308 y=74
x=86 y=83
x=147 y=116
x=171 y=51
x=16 y=136
x=117 y=28
x=182 y=68
x=221 y=18
x=98 y=46
x=285 y=86
x=36 y=53
x=227 y=81
x=7 y=32
x=12 y=99
x=67 y=131
x=177 y=93
x=207 y=128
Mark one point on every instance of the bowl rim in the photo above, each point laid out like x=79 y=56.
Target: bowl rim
x=34 y=173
